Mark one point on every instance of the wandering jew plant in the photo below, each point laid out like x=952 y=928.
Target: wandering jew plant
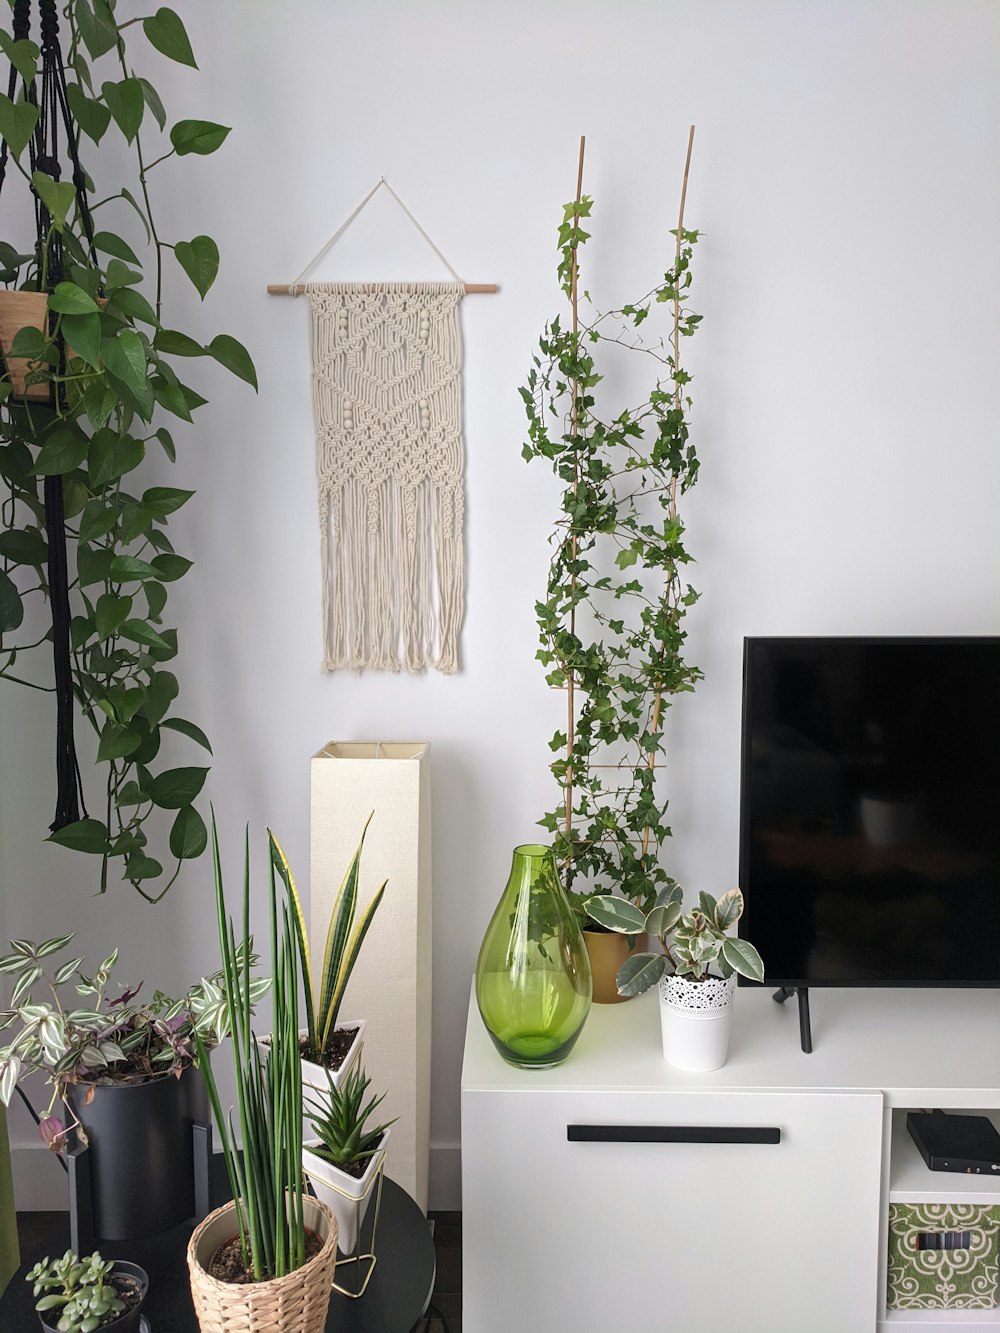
x=102 y=381
x=611 y=623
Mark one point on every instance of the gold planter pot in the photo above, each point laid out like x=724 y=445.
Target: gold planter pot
x=608 y=950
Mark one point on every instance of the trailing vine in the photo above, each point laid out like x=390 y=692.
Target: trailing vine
x=106 y=352
x=611 y=624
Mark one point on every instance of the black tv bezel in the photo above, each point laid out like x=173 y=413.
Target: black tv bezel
x=744 y=929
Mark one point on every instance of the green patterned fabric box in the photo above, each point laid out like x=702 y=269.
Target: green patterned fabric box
x=959 y=1278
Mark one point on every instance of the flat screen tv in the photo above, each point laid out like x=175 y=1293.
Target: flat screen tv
x=870 y=821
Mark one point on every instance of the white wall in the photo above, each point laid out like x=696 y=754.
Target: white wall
x=845 y=179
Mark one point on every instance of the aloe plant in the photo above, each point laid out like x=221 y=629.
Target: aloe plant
x=340 y=1122
x=344 y=937
x=691 y=941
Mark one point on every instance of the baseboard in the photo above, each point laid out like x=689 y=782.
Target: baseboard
x=445 y=1186
x=40 y=1183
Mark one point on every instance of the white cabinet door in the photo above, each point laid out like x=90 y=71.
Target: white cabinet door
x=597 y=1236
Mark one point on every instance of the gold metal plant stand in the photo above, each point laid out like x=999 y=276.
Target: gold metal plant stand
x=356 y=1260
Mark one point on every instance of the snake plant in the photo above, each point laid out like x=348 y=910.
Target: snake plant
x=344 y=937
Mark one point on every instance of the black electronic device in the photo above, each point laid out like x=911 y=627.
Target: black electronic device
x=966 y=1143
x=868 y=832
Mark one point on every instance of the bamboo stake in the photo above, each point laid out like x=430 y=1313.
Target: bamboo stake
x=574 y=422
x=658 y=701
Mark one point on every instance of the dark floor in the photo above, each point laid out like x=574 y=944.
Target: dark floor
x=446 y=1303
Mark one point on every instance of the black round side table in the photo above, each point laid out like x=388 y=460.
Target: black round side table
x=395 y=1301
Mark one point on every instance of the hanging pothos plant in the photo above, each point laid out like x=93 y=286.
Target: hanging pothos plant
x=95 y=383
x=612 y=620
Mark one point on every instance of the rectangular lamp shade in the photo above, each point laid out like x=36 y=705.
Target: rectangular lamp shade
x=391 y=982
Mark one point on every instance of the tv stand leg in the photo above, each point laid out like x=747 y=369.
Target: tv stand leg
x=784 y=993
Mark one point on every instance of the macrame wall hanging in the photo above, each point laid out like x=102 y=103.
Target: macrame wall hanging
x=387 y=406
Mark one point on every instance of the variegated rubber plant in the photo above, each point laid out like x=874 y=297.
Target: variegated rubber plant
x=344 y=937
x=691 y=941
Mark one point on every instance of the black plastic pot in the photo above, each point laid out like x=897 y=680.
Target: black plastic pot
x=129 y=1322
x=141 y=1153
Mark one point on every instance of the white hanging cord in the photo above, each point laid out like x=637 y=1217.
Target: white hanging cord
x=294 y=285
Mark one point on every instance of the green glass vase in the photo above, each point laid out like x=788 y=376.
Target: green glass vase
x=533 y=982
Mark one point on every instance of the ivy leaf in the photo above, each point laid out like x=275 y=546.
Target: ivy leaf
x=177 y=787
x=154 y=103
x=199 y=258
x=234 y=356
x=64 y=451
x=140 y=631
x=99 y=401
x=171 y=397
x=197 y=136
x=160 y=694
x=85 y=835
x=125 y=358
x=116 y=742
x=97 y=26
x=177 y=344
x=57 y=196
x=92 y=116
x=22 y=54
x=83 y=339
x=188 y=729
x=92 y=566
x=29 y=343
x=69 y=299
x=163 y=500
x=11 y=610
x=166 y=32
x=126 y=103
x=110 y=612
x=139 y=866
x=156 y=598
x=169 y=567
x=167 y=443
x=134 y=305
x=188 y=837
x=130 y=569
x=110 y=244
x=17 y=123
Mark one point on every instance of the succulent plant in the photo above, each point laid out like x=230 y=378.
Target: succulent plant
x=341 y=1123
x=78 y=1289
x=691 y=941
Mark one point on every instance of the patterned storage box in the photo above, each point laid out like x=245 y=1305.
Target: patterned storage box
x=943 y=1256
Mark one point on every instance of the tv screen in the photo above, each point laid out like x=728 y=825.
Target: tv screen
x=870 y=821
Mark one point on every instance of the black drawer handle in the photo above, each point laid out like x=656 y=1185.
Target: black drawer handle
x=672 y=1134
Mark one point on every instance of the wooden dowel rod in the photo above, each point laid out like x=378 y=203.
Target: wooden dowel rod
x=472 y=289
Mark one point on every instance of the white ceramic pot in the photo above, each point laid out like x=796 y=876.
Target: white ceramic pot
x=314 y=1076
x=695 y=1018
x=346 y=1197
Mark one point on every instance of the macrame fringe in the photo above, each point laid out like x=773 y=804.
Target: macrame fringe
x=386 y=400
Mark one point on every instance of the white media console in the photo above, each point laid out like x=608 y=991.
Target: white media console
x=620 y=1230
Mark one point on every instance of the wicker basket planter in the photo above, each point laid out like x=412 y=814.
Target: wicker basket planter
x=296 y=1303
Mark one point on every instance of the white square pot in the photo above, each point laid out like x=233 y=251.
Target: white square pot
x=346 y=1197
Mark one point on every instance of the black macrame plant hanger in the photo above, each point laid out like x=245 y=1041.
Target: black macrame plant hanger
x=53 y=111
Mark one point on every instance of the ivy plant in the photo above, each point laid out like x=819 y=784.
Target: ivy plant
x=117 y=387
x=611 y=623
